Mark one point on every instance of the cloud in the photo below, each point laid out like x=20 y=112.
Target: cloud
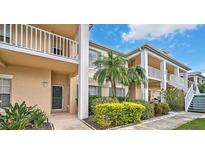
x=154 y=31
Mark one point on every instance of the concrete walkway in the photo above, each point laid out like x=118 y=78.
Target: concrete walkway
x=66 y=121
x=167 y=122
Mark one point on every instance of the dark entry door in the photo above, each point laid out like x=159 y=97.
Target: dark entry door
x=57 y=97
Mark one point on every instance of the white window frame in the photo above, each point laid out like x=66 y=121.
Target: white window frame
x=91 y=65
x=10 y=77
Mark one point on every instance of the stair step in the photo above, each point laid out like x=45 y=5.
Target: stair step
x=202 y=105
x=196 y=111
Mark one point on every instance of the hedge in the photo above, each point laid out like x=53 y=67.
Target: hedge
x=149 y=110
x=161 y=108
x=94 y=100
x=116 y=114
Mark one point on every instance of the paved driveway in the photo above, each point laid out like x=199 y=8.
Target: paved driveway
x=167 y=122
x=65 y=121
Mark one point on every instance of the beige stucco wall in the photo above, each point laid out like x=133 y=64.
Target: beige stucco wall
x=73 y=93
x=62 y=80
x=31 y=85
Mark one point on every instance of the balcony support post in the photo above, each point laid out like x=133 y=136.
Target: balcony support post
x=144 y=64
x=83 y=71
x=163 y=84
x=185 y=76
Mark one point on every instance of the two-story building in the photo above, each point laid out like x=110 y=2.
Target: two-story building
x=162 y=71
x=52 y=65
x=39 y=64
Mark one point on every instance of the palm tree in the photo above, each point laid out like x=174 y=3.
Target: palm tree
x=136 y=76
x=111 y=69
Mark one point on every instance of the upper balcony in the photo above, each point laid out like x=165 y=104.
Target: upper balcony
x=48 y=46
x=40 y=38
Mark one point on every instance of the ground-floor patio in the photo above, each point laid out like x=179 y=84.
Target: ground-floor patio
x=168 y=122
x=66 y=121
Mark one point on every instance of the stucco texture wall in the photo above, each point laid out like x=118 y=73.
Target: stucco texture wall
x=31 y=85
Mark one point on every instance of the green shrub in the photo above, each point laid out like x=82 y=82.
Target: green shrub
x=38 y=118
x=94 y=100
x=20 y=116
x=175 y=98
x=116 y=114
x=161 y=109
x=124 y=98
x=201 y=88
x=149 y=110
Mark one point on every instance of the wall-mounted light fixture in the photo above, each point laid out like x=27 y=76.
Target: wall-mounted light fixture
x=45 y=84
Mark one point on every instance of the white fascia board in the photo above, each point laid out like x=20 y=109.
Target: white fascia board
x=134 y=55
x=37 y=53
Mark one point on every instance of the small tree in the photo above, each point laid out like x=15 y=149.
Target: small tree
x=136 y=76
x=111 y=69
x=175 y=98
x=201 y=88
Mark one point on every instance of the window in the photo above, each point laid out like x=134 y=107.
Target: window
x=93 y=56
x=94 y=91
x=119 y=91
x=5 y=92
x=7 y=33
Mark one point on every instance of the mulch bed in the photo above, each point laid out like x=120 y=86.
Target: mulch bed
x=46 y=126
x=90 y=120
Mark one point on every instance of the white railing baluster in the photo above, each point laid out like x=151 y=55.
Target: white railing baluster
x=44 y=41
x=16 y=34
x=76 y=49
x=53 y=44
x=36 y=39
x=21 y=35
x=26 y=36
x=63 y=47
x=31 y=38
x=10 y=33
x=4 y=33
x=66 y=48
x=60 y=47
x=56 y=44
x=73 y=49
x=40 y=40
x=70 y=49
x=49 y=43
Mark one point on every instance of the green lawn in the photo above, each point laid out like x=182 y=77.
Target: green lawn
x=195 y=124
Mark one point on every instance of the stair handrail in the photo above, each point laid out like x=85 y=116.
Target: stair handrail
x=189 y=96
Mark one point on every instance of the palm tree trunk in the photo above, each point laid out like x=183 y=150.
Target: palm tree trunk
x=113 y=89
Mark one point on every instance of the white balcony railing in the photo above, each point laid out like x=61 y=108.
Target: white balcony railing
x=176 y=81
x=30 y=37
x=154 y=73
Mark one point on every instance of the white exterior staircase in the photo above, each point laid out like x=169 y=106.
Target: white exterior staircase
x=194 y=101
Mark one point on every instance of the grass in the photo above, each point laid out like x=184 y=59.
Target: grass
x=195 y=124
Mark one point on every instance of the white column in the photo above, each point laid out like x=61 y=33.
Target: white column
x=163 y=70
x=144 y=64
x=196 y=83
x=163 y=84
x=83 y=71
x=177 y=75
x=176 y=71
x=185 y=75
